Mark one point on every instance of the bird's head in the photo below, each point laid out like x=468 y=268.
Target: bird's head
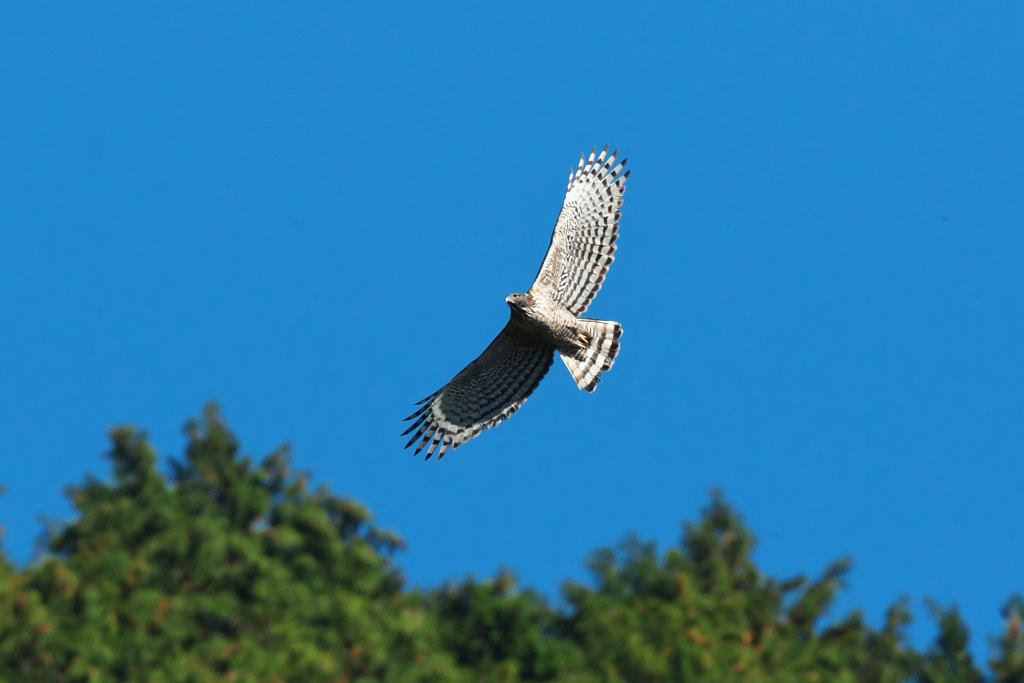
x=519 y=301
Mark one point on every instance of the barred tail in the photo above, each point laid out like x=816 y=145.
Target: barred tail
x=587 y=363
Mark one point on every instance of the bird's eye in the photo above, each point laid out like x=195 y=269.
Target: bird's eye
x=515 y=296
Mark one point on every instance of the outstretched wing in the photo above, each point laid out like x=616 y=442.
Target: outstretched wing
x=583 y=243
x=486 y=392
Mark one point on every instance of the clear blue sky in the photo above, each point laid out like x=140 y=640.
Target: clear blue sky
x=313 y=215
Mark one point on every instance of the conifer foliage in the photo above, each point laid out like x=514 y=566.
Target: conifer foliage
x=231 y=570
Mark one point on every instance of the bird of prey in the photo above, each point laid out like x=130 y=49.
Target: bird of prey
x=544 y=320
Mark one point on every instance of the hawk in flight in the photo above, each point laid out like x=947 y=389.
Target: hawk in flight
x=545 y=319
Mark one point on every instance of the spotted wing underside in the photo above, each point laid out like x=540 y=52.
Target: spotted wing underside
x=487 y=391
x=583 y=242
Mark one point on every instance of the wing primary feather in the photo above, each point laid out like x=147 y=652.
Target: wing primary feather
x=438 y=437
x=418 y=411
x=426 y=437
x=416 y=424
x=419 y=403
x=611 y=162
x=419 y=432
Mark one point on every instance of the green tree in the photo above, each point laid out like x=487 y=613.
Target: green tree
x=1008 y=662
x=231 y=570
x=947 y=660
x=704 y=612
x=501 y=634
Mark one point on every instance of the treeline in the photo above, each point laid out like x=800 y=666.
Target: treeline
x=235 y=571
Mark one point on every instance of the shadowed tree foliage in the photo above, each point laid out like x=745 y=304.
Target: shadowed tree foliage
x=1008 y=662
x=232 y=570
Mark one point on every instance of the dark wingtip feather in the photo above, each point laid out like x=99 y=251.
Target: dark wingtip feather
x=425 y=427
x=419 y=403
x=415 y=424
x=427 y=436
x=416 y=414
